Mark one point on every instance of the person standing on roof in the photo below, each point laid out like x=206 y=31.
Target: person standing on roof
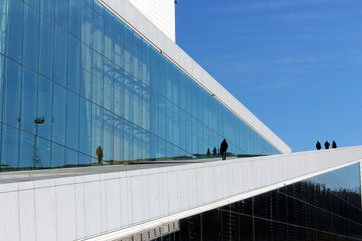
x=318 y=145
x=334 y=145
x=326 y=145
x=223 y=148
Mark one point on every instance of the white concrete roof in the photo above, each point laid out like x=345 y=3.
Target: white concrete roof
x=125 y=10
x=104 y=205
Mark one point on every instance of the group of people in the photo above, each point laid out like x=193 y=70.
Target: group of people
x=326 y=145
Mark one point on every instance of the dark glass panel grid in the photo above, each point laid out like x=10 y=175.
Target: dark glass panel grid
x=294 y=212
x=75 y=78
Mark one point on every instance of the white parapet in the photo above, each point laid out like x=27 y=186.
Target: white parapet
x=161 y=13
x=105 y=203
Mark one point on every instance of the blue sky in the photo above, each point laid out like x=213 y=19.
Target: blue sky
x=296 y=64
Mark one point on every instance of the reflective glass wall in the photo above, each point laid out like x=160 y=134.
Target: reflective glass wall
x=79 y=87
x=327 y=207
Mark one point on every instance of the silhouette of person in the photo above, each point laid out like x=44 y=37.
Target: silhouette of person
x=318 y=145
x=99 y=153
x=326 y=145
x=223 y=148
x=334 y=145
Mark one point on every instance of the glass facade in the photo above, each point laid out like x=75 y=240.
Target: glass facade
x=326 y=207
x=74 y=78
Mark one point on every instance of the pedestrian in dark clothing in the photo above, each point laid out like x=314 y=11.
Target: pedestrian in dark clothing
x=223 y=148
x=334 y=145
x=326 y=145
x=318 y=145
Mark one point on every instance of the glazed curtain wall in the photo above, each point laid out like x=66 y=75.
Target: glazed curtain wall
x=327 y=207
x=74 y=78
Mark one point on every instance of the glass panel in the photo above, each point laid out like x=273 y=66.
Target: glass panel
x=87 y=25
x=44 y=118
x=97 y=129
x=60 y=56
x=48 y=8
x=47 y=45
x=72 y=120
x=129 y=48
x=14 y=36
x=89 y=3
x=3 y=22
x=29 y=100
x=146 y=108
x=58 y=155
x=108 y=85
x=43 y=156
x=84 y=160
x=74 y=64
x=128 y=141
x=71 y=158
x=138 y=45
x=1 y=84
x=33 y=3
x=118 y=139
x=118 y=91
x=146 y=58
x=27 y=147
x=86 y=72
x=128 y=97
x=137 y=143
x=119 y=43
x=75 y=15
x=98 y=33
x=109 y=35
x=10 y=149
x=98 y=78
x=108 y=137
x=59 y=115
x=85 y=126
x=62 y=13
x=12 y=85
x=31 y=38
x=137 y=103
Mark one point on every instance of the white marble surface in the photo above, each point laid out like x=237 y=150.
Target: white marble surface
x=77 y=207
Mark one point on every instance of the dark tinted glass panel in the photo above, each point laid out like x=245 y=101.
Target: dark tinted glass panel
x=283 y=215
x=31 y=38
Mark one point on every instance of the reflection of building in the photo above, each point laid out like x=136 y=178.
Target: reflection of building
x=97 y=82
x=103 y=75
